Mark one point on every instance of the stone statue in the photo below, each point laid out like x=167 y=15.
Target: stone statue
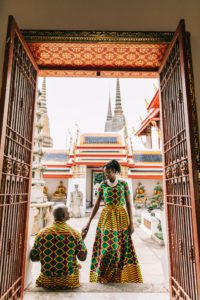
x=157 y=199
x=140 y=197
x=48 y=216
x=140 y=191
x=76 y=201
x=158 y=189
x=60 y=193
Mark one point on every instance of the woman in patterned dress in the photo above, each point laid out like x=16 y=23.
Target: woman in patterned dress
x=113 y=258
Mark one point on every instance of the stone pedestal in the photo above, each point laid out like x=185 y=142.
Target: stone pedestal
x=42 y=216
x=29 y=264
x=37 y=195
x=149 y=223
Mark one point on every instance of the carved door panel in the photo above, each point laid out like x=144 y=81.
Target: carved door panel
x=16 y=136
x=181 y=163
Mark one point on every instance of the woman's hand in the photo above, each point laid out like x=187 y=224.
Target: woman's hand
x=85 y=231
x=131 y=228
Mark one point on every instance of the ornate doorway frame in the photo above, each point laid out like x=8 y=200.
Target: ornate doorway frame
x=97 y=38
x=98 y=53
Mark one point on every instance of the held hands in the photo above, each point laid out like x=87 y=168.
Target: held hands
x=131 y=228
x=85 y=231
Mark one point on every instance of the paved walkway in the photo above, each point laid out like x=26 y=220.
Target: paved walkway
x=149 y=255
x=148 y=251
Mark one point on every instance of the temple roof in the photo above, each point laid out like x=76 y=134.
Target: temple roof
x=153 y=114
x=155 y=102
x=55 y=157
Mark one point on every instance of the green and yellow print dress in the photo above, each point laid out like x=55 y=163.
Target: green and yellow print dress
x=57 y=247
x=114 y=258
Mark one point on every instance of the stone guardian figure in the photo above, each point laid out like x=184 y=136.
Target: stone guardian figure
x=76 y=201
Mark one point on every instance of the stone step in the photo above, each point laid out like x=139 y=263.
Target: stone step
x=106 y=288
x=95 y=291
x=95 y=296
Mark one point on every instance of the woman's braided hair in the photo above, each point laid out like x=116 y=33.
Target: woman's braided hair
x=114 y=165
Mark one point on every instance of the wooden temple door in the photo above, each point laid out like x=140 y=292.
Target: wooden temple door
x=181 y=167
x=16 y=136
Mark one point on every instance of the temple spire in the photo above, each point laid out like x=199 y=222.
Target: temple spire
x=118 y=121
x=109 y=115
x=108 y=125
x=47 y=141
x=118 y=102
x=43 y=97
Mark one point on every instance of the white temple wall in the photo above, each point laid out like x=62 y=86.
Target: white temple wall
x=154 y=137
x=88 y=185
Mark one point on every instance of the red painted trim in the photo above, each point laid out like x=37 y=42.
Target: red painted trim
x=93 y=155
x=155 y=102
x=146 y=176
x=147 y=120
x=147 y=167
x=100 y=147
x=57 y=176
x=97 y=164
x=54 y=166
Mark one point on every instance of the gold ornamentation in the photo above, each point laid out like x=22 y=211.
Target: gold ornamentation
x=25 y=171
x=175 y=170
x=11 y=198
x=103 y=74
x=168 y=173
x=64 y=36
x=7 y=165
x=17 y=168
x=181 y=200
x=60 y=192
x=184 y=167
x=95 y=55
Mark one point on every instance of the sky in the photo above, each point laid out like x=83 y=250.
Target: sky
x=85 y=101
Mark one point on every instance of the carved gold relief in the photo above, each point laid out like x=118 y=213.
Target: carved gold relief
x=169 y=172
x=7 y=165
x=25 y=171
x=17 y=168
x=175 y=170
x=184 y=168
x=181 y=200
x=11 y=199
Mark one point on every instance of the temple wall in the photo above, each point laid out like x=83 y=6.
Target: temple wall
x=105 y=15
x=88 y=185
